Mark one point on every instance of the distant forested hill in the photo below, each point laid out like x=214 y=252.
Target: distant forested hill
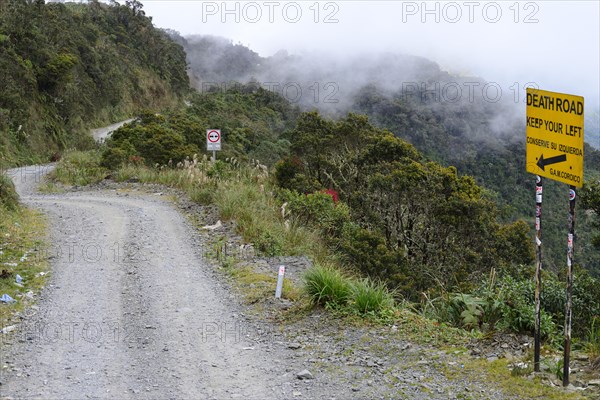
x=448 y=118
x=66 y=67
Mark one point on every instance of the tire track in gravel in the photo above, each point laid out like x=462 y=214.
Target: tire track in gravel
x=131 y=310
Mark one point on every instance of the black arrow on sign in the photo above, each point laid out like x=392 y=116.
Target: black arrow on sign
x=552 y=160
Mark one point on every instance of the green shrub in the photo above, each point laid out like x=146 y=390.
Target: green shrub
x=586 y=301
x=161 y=145
x=113 y=158
x=9 y=199
x=370 y=297
x=290 y=174
x=286 y=170
x=518 y=311
x=327 y=286
x=593 y=337
x=319 y=210
x=269 y=244
x=367 y=251
x=202 y=195
x=465 y=310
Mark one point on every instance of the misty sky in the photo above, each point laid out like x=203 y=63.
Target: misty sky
x=555 y=44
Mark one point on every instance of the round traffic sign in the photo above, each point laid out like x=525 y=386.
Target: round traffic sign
x=214 y=136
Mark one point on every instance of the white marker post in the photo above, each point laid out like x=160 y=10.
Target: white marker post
x=280 y=281
x=213 y=142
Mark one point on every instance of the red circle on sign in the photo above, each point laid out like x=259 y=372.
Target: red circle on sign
x=216 y=139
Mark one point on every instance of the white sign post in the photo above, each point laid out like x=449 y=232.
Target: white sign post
x=280 y=282
x=213 y=141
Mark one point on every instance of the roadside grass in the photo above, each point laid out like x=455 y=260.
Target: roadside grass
x=370 y=297
x=259 y=287
x=22 y=252
x=50 y=187
x=259 y=221
x=9 y=200
x=593 y=343
x=77 y=168
x=501 y=373
x=243 y=194
x=328 y=287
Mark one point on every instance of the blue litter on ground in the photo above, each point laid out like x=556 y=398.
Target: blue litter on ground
x=7 y=299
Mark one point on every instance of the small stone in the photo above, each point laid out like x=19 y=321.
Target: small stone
x=594 y=382
x=494 y=358
x=294 y=346
x=304 y=374
x=296 y=393
x=8 y=329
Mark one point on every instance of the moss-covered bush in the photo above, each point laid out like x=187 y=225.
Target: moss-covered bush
x=9 y=199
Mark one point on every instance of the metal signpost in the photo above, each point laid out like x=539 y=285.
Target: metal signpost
x=538 y=269
x=555 y=150
x=213 y=142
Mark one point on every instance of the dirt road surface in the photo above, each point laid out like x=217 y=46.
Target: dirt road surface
x=131 y=309
x=101 y=134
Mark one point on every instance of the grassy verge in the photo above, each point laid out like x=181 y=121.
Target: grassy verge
x=22 y=252
x=243 y=195
x=500 y=372
x=76 y=168
x=593 y=344
x=329 y=287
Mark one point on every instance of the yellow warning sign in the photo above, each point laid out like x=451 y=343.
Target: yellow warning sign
x=555 y=136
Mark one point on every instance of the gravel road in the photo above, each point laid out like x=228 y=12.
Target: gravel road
x=101 y=134
x=131 y=311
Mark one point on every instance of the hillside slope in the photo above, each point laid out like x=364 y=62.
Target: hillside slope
x=68 y=67
x=448 y=118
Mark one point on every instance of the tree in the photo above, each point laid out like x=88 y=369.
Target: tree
x=590 y=199
x=437 y=227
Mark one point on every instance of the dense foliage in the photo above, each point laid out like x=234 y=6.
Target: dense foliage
x=66 y=67
x=9 y=200
x=484 y=140
x=590 y=198
x=413 y=223
x=251 y=120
